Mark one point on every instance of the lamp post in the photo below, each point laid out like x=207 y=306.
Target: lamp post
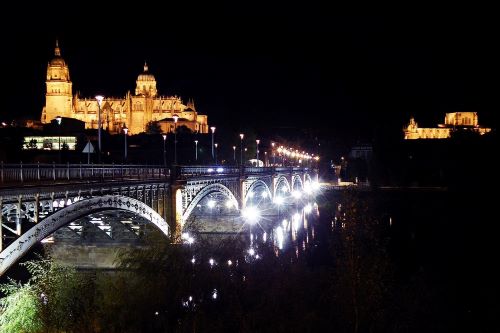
x=213 y=131
x=125 y=131
x=196 y=150
x=164 y=150
x=241 y=148
x=234 y=154
x=216 y=145
x=274 y=154
x=258 y=141
x=175 y=138
x=59 y=119
x=99 y=99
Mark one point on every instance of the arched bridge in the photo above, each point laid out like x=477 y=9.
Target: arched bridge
x=36 y=200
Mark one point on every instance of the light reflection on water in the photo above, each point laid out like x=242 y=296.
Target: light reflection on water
x=289 y=228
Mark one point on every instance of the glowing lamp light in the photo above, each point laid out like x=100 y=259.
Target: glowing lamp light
x=211 y=203
x=220 y=169
x=229 y=204
x=279 y=200
x=315 y=185
x=99 y=99
x=296 y=194
x=264 y=194
x=251 y=251
x=214 y=294
x=308 y=208
x=251 y=214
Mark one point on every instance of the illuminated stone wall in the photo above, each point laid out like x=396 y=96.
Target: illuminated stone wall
x=132 y=111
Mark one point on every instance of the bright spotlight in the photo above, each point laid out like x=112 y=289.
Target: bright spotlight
x=315 y=185
x=220 y=170
x=211 y=203
x=229 y=204
x=251 y=251
x=296 y=194
x=278 y=200
x=251 y=214
x=308 y=208
x=264 y=194
x=190 y=240
x=185 y=235
x=250 y=194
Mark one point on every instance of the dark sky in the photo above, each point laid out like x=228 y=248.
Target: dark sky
x=267 y=66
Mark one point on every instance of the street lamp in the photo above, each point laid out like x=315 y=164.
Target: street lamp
x=196 y=150
x=274 y=154
x=59 y=119
x=234 y=154
x=164 y=150
x=125 y=131
x=99 y=99
x=213 y=131
x=258 y=141
x=216 y=145
x=175 y=138
x=241 y=148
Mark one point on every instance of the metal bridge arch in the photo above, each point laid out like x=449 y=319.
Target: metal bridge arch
x=295 y=179
x=281 y=180
x=307 y=178
x=206 y=191
x=254 y=185
x=79 y=209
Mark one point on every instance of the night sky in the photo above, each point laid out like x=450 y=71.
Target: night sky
x=345 y=76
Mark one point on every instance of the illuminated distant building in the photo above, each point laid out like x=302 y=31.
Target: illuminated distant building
x=452 y=121
x=133 y=111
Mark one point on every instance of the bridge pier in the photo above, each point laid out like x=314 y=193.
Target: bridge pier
x=243 y=193
x=176 y=221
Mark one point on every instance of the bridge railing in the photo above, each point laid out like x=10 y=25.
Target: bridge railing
x=187 y=171
x=36 y=173
x=209 y=170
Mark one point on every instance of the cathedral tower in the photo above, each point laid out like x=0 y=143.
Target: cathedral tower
x=58 y=97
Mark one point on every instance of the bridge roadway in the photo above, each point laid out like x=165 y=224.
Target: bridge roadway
x=38 y=199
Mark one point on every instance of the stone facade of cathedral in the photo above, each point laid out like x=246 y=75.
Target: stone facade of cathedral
x=454 y=120
x=134 y=111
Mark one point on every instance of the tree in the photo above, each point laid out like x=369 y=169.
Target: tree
x=20 y=309
x=31 y=144
x=152 y=127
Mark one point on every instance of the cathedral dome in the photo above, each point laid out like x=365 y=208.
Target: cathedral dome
x=57 y=60
x=146 y=76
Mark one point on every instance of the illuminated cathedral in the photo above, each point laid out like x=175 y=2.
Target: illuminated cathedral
x=452 y=121
x=134 y=111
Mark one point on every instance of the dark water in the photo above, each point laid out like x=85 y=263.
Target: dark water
x=441 y=246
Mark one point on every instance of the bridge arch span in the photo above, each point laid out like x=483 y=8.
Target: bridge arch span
x=206 y=191
x=296 y=179
x=307 y=178
x=254 y=185
x=282 y=181
x=79 y=209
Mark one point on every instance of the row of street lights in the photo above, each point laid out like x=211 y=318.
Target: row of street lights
x=100 y=98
